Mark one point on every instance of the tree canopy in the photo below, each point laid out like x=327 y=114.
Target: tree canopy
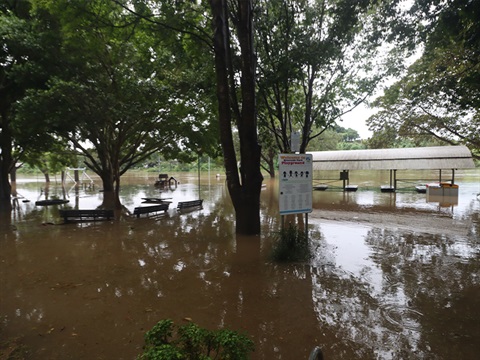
x=28 y=55
x=317 y=61
x=439 y=97
x=122 y=94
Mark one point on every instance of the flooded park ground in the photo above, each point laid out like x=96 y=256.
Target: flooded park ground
x=392 y=275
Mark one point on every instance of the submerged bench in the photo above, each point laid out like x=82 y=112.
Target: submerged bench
x=189 y=204
x=85 y=214
x=150 y=209
x=387 y=188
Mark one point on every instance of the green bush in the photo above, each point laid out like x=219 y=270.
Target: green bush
x=290 y=244
x=191 y=342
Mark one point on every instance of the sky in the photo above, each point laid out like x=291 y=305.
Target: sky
x=356 y=120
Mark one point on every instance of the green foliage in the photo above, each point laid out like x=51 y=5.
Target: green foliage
x=336 y=138
x=27 y=56
x=121 y=91
x=160 y=333
x=232 y=345
x=328 y=140
x=291 y=244
x=439 y=95
x=357 y=145
x=157 y=163
x=348 y=135
x=191 y=342
x=387 y=136
x=317 y=61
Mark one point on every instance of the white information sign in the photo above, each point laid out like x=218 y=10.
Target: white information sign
x=295 y=183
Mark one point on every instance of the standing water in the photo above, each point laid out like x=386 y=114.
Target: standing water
x=392 y=275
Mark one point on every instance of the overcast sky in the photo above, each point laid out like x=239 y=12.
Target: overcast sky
x=356 y=120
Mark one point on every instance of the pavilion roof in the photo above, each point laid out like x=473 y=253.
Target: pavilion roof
x=422 y=158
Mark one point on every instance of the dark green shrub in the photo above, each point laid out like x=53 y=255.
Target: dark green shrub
x=290 y=244
x=160 y=333
x=190 y=342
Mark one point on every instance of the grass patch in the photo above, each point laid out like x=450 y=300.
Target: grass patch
x=291 y=245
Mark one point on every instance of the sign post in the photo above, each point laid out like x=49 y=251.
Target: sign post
x=295 y=141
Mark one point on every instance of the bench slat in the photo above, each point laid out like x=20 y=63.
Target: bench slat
x=187 y=204
x=80 y=214
x=150 y=209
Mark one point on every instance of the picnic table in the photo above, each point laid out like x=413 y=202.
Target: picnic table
x=152 y=200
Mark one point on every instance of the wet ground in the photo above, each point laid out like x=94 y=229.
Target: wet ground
x=393 y=276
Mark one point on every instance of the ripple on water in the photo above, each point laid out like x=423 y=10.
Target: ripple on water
x=391 y=281
x=401 y=317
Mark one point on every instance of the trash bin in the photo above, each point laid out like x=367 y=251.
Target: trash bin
x=449 y=189
x=434 y=189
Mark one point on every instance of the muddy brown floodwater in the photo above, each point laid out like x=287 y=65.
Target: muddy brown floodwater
x=392 y=277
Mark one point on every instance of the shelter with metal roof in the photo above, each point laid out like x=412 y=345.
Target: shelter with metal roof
x=425 y=158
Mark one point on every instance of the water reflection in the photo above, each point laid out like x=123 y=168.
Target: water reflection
x=379 y=286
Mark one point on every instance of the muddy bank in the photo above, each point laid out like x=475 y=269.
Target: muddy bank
x=415 y=222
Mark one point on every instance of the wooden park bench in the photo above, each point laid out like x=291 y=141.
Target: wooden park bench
x=189 y=204
x=150 y=209
x=86 y=214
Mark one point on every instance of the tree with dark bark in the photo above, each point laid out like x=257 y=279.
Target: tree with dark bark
x=29 y=53
x=234 y=44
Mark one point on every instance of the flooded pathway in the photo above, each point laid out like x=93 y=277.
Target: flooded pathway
x=392 y=277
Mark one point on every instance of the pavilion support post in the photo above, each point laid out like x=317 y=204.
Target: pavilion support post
x=306 y=225
x=453 y=176
x=344 y=178
x=395 y=180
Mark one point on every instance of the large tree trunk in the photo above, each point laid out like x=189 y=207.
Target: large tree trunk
x=5 y=164
x=244 y=188
x=5 y=189
x=111 y=191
